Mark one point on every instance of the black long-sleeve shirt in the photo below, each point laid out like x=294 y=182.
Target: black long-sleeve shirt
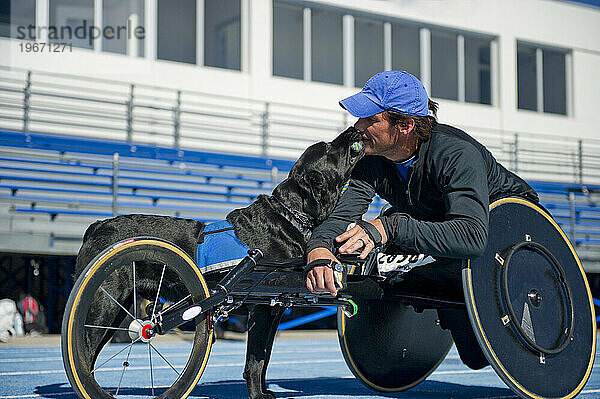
x=443 y=207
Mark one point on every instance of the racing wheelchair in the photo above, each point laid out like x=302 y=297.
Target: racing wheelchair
x=527 y=299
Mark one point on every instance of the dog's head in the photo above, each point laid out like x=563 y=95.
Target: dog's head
x=322 y=171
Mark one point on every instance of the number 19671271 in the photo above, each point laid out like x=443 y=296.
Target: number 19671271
x=46 y=47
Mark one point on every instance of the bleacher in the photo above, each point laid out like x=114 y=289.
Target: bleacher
x=52 y=187
x=576 y=209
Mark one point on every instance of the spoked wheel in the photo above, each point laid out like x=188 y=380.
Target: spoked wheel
x=106 y=299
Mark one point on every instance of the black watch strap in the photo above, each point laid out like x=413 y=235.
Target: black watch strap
x=340 y=272
x=371 y=231
x=316 y=263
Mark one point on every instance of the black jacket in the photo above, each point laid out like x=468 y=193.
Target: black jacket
x=442 y=210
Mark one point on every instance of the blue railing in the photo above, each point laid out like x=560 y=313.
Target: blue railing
x=302 y=320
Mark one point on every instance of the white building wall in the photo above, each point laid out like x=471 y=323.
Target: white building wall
x=545 y=22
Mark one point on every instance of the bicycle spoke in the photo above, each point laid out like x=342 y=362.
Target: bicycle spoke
x=181 y=300
x=158 y=291
x=160 y=354
x=109 y=328
x=134 y=295
x=116 y=354
x=121 y=306
x=151 y=373
x=125 y=365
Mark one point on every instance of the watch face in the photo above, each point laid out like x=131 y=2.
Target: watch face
x=338 y=267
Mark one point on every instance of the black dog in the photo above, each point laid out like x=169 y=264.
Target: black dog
x=279 y=225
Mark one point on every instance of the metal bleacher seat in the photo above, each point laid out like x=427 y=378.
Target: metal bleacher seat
x=56 y=186
x=576 y=208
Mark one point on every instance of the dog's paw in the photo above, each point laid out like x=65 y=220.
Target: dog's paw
x=267 y=394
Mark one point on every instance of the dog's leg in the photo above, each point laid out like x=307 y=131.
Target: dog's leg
x=262 y=327
x=104 y=311
x=95 y=343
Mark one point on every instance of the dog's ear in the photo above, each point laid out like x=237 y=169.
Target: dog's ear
x=312 y=182
x=315 y=179
x=320 y=201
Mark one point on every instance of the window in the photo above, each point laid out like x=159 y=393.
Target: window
x=5 y=18
x=444 y=65
x=406 y=49
x=310 y=44
x=177 y=30
x=326 y=46
x=117 y=14
x=70 y=21
x=222 y=34
x=368 y=49
x=526 y=78
x=541 y=79
x=288 y=40
x=477 y=70
x=324 y=49
x=555 y=82
x=17 y=19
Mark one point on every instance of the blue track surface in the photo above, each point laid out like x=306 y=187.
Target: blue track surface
x=300 y=368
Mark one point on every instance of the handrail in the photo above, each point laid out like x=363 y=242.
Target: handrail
x=68 y=104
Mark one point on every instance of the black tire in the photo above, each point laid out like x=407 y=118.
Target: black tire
x=109 y=272
x=389 y=347
x=530 y=304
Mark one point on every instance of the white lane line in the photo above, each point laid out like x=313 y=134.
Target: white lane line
x=463 y=371
x=236 y=364
x=31 y=359
x=170 y=354
x=42 y=349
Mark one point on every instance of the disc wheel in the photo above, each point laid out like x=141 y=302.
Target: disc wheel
x=530 y=305
x=390 y=347
x=107 y=299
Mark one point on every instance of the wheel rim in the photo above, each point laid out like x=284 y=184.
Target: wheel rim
x=135 y=368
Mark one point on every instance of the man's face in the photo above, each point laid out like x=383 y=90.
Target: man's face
x=380 y=137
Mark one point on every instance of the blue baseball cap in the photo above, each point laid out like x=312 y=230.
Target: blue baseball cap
x=397 y=91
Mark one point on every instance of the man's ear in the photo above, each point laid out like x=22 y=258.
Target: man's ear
x=407 y=126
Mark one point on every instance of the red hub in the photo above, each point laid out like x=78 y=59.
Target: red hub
x=148 y=331
x=142 y=330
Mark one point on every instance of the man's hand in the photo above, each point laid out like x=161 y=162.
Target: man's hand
x=357 y=238
x=320 y=279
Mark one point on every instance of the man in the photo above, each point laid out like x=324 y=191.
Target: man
x=438 y=179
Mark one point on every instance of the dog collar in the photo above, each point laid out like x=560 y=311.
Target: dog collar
x=306 y=223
